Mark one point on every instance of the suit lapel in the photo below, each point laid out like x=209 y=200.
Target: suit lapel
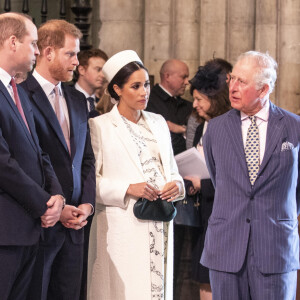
x=125 y=137
x=274 y=133
x=42 y=102
x=17 y=114
x=235 y=133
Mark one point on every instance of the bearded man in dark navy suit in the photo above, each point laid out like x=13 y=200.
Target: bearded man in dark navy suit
x=60 y=114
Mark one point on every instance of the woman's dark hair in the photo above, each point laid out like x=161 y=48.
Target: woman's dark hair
x=210 y=80
x=122 y=77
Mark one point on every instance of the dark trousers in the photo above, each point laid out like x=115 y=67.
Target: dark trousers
x=179 y=234
x=58 y=268
x=87 y=229
x=16 y=268
x=250 y=284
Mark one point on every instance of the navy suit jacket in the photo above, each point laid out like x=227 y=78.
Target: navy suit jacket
x=75 y=172
x=25 y=174
x=268 y=210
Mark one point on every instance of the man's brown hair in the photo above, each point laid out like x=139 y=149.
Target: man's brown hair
x=13 y=24
x=85 y=55
x=53 y=32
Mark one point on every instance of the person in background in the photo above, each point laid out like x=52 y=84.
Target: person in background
x=60 y=114
x=211 y=99
x=30 y=194
x=90 y=77
x=165 y=99
x=193 y=121
x=131 y=258
x=252 y=153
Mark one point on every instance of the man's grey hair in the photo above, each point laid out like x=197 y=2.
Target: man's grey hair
x=267 y=68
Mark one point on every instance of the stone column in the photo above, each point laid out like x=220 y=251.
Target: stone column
x=157 y=31
x=288 y=84
x=266 y=30
x=122 y=26
x=185 y=33
x=241 y=24
x=171 y=31
x=213 y=30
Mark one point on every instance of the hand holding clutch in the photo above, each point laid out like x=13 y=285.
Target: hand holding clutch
x=158 y=210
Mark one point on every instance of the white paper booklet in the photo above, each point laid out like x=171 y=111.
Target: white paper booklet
x=192 y=163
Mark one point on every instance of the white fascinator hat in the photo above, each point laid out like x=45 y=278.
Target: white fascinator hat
x=117 y=62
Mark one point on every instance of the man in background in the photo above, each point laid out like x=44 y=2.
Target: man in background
x=60 y=114
x=90 y=77
x=165 y=99
x=27 y=179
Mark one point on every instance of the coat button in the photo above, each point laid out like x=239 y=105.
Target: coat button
x=248 y=220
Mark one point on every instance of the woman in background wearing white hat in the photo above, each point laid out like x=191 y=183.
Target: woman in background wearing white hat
x=130 y=258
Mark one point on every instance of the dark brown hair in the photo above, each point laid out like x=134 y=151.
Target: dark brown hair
x=210 y=80
x=122 y=77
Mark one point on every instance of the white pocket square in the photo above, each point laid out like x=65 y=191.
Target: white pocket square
x=287 y=146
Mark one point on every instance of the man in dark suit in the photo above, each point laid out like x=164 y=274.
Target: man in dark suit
x=89 y=76
x=60 y=115
x=165 y=99
x=27 y=179
x=252 y=152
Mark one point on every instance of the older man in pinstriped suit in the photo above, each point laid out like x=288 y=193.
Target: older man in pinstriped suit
x=252 y=244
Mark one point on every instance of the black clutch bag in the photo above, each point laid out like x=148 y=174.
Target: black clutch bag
x=158 y=210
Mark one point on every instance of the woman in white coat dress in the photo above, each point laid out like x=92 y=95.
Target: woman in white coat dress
x=129 y=258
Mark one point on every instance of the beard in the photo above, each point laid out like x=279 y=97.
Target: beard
x=58 y=72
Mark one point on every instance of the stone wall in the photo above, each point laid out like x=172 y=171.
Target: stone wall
x=196 y=30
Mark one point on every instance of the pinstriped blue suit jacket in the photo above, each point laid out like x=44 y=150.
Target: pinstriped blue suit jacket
x=268 y=210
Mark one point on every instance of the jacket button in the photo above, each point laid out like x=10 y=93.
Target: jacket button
x=248 y=220
x=252 y=198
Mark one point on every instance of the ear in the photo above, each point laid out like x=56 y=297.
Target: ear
x=49 y=53
x=81 y=70
x=117 y=90
x=12 y=42
x=264 y=91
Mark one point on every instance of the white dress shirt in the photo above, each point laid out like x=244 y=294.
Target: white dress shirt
x=262 y=118
x=6 y=78
x=80 y=89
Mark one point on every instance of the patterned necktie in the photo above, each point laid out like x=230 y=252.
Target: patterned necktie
x=18 y=102
x=91 y=102
x=252 y=150
x=61 y=117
